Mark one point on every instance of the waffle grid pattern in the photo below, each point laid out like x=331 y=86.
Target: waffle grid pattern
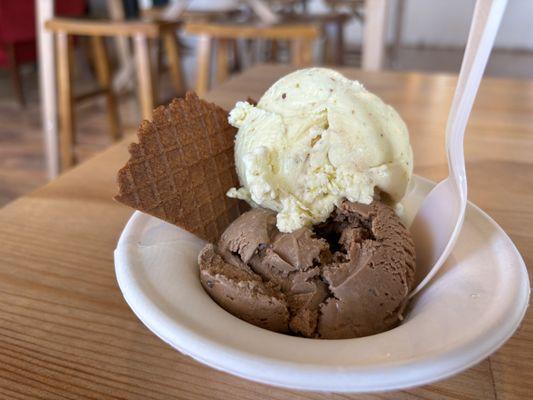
x=182 y=168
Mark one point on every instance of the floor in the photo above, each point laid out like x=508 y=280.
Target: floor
x=22 y=166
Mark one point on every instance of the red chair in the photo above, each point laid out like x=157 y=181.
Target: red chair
x=18 y=37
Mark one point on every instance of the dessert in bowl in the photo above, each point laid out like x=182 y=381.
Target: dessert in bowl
x=323 y=253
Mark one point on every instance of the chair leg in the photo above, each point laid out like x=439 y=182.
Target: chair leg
x=274 y=51
x=155 y=51
x=237 y=63
x=328 y=55
x=157 y=69
x=103 y=74
x=339 y=52
x=307 y=52
x=15 y=75
x=296 y=53
x=144 y=76
x=302 y=52
x=66 y=118
x=251 y=51
x=204 y=62
x=222 y=60
x=174 y=61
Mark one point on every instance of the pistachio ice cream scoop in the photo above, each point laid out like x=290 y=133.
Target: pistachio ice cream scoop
x=314 y=139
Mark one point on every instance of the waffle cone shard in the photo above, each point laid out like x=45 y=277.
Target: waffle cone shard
x=182 y=168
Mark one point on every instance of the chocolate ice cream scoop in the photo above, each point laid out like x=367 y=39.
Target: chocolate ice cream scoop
x=372 y=273
x=347 y=277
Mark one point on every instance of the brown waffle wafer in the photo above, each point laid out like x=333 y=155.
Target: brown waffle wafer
x=182 y=168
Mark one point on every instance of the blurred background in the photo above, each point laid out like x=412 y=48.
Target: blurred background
x=102 y=65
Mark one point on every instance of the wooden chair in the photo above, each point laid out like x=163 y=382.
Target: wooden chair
x=96 y=30
x=334 y=44
x=300 y=37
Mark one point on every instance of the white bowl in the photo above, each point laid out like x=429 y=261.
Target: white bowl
x=469 y=310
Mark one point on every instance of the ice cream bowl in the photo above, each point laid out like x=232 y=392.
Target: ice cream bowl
x=468 y=311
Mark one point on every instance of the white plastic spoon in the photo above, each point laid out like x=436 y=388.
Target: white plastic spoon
x=438 y=222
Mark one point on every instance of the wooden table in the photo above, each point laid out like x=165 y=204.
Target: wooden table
x=66 y=332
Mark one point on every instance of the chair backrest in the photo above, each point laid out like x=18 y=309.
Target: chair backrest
x=17 y=17
x=225 y=30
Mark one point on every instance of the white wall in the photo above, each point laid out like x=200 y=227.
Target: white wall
x=436 y=22
x=445 y=23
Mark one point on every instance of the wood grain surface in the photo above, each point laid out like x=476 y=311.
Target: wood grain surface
x=66 y=332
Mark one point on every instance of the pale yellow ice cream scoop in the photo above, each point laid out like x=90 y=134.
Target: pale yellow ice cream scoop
x=314 y=139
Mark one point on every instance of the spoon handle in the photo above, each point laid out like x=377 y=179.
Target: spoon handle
x=438 y=222
x=485 y=23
